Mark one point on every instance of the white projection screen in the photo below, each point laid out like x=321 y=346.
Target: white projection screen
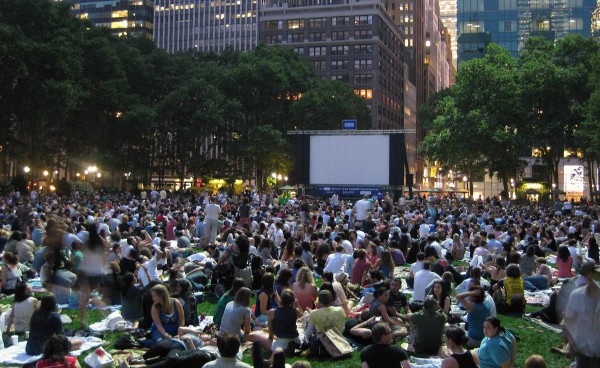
x=350 y=159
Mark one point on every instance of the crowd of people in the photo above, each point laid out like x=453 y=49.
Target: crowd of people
x=390 y=270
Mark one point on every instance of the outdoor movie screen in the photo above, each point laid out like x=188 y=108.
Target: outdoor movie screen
x=350 y=159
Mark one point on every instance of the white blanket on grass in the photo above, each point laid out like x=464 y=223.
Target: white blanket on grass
x=426 y=362
x=16 y=353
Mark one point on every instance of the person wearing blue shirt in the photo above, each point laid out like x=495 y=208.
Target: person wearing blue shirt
x=497 y=347
x=473 y=301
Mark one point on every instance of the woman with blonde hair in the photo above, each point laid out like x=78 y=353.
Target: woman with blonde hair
x=167 y=316
x=304 y=289
x=458 y=248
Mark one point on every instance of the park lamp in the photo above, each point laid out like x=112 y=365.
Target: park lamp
x=26 y=169
x=45 y=173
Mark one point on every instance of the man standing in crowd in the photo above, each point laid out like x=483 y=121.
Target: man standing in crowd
x=212 y=213
x=582 y=319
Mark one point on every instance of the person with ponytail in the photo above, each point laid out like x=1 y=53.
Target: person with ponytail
x=459 y=357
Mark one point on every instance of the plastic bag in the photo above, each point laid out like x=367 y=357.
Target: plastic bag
x=99 y=359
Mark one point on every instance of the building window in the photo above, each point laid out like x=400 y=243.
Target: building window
x=363 y=49
x=507 y=26
x=295 y=37
x=319 y=65
x=363 y=78
x=317 y=51
x=295 y=23
x=340 y=35
x=273 y=39
x=507 y=4
x=540 y=4
x=363 y=20
x=340 y=21
x=273 y=25
x=339 y=64
x=363 y=64
x=317 y=22
x=341 y=78
x=299 y=50
x=363 y=34
x=339 y=50
x=470 y=27
x=576 y=24
x=364 y=93
x=541 y=24
x=466 y=6
x=317 y=36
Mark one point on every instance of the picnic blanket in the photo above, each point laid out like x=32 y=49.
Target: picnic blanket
x=426 y=362
x=541 y=297
x=16 y=353
x=112 y=322
x=557 y=329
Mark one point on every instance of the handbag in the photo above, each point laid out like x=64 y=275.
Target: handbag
x=334 y=343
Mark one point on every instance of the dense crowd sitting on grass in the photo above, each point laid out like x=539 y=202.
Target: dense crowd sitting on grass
x=397 y=277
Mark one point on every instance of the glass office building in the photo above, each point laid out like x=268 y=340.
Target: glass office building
x=205 y=25
x=122 y=17
x=510 y=22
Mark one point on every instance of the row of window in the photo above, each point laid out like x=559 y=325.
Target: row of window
x=360 y=64
x=401 y=6
x=511 y=25
x=478 y=5
x=358 y=20
x=340 y=50
x=319 y=36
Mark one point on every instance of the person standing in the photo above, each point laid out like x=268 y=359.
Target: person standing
x=362 y=208
x=581 y=324
x=212 y=212
x=335 y=201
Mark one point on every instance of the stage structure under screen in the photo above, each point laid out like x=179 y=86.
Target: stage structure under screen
x=349 y=162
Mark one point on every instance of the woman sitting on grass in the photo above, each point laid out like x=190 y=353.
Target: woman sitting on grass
x=23 y=308
x=56 y=354
x=167 y=316
x=498 y=348
x=459 y=358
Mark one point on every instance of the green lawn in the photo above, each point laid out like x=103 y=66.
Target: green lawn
x=533 y=339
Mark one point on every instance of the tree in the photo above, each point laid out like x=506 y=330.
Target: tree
x=555 y=89
x=476 y=125
x=326 y=103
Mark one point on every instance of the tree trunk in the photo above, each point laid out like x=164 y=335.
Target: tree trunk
x=590 y=169
x=505 y=190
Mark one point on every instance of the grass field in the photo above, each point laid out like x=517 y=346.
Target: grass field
x=532 y=339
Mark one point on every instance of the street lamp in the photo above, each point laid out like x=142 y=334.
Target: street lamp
x=45 y=173
x=26 y=169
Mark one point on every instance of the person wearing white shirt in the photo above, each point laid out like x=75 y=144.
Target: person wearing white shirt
x=212 y=213
x=335 y=261
x=424 y=229
x=278 y=234
x=151 y=269
x=422 y=280
x=362 y=208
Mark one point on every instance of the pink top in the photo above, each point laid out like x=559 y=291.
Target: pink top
x=305 y=297
x=564 y=268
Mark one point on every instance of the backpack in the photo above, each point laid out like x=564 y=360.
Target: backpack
x=190 y=310
x=189 y=358
x=240 y=259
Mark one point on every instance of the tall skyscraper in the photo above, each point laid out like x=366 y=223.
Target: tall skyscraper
x=510 y=22
x=448 y=14
x=122 y=17
x=200 y=25
x=596 y=23
x=353 y=42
